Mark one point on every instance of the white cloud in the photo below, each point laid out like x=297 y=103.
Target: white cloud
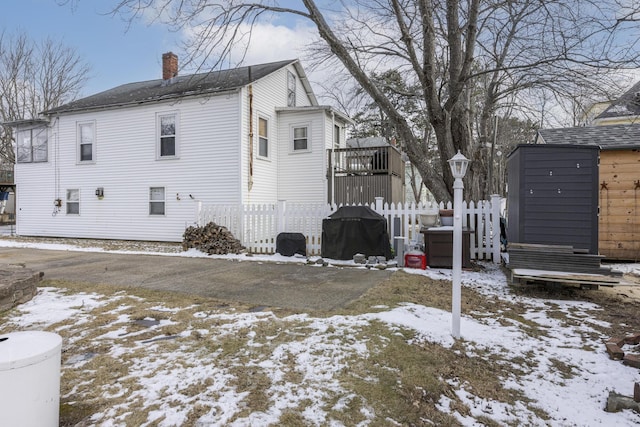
x=266 y=42
x=276 y=42
x=259 y=43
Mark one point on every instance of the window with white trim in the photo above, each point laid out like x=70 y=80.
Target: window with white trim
x=336 y=136
x=300 y=139
x=86 y=142
x=32 y=145
x=73 y=202
x=167 y=135
x=156 y=201
x=263 y=137
x=291 y=89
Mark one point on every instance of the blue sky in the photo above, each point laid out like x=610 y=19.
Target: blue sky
x=117 y=53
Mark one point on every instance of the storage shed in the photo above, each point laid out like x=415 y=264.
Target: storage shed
x=553 y=196
x=618 y=183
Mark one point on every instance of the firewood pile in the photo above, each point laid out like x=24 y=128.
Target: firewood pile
x=212 y=239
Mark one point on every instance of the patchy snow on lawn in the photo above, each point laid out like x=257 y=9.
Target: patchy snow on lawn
x=324 y=346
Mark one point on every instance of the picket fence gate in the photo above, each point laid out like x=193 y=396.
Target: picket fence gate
x=258 y=225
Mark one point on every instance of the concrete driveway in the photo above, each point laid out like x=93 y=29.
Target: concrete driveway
x=294 y=286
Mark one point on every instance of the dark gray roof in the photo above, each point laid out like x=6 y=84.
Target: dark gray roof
x=177 y=87
x=26 y=122
x=627 y=105
x=612 y=137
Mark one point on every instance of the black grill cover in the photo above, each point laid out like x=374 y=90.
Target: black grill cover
x=355 y=229
x=289 y=244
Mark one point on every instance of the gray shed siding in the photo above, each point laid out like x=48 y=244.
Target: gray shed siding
x=553 y=196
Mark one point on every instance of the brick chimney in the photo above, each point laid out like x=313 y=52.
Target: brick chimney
x=169 y=65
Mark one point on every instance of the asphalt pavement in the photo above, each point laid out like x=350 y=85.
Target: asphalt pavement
x=269 y=284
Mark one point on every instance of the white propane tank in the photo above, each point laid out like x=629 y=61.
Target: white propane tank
x=30 y=379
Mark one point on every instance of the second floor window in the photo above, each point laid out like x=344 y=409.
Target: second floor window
x=31 y=145
x=300 y=141
x=263 y=137
x=86 y=142
x=167 y=135
x=291 y=89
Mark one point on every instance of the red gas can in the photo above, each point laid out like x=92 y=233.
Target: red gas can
x=415 y=259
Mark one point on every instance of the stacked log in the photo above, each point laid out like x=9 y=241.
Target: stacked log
x=212 y=239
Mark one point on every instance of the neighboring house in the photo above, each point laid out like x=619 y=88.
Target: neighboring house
x=132 y=162
x=618 y=183
x=624 y=110
x=588 y=117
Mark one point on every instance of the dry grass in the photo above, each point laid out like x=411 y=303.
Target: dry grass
x=401 y=379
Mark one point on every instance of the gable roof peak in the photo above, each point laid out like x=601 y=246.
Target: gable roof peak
x=627 y=105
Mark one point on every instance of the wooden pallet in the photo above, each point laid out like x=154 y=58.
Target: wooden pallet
x=584 y=281
x=555 y=258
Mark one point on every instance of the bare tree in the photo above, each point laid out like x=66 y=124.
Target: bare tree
x=447 y=48
x=34 y=77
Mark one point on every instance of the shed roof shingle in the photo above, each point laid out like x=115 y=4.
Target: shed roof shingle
x=606 y=137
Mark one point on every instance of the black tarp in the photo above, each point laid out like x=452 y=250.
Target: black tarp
x=355 y=230
x=289 y=244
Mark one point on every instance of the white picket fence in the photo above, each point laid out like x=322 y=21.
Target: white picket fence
x=257 y=226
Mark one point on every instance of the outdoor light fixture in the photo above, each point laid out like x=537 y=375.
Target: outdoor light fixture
x=458 y=164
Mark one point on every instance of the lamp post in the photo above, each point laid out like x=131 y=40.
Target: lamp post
x=458 y=164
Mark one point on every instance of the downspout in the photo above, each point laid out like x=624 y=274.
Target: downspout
x=250 y=132
x=55 y=129
x=55 y=143
x=333 y=167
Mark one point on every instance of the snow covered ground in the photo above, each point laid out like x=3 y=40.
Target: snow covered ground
x=324 y=345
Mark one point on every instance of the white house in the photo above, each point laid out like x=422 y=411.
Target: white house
x=132 y=162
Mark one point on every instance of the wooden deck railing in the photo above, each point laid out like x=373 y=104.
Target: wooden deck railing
x=359 y=175
x=366 y=161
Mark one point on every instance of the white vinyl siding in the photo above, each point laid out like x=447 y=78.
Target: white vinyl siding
x=301 y=174
x=214 y=147
x=269 y=93
x=127 y=168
